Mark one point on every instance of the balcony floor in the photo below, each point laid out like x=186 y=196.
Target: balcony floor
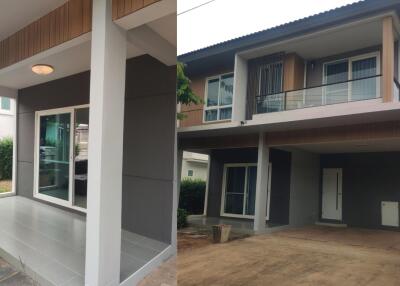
x=50 y=243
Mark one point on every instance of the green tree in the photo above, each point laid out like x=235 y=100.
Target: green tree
x=184 y=93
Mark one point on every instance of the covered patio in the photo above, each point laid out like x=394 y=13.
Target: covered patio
x=50 y=243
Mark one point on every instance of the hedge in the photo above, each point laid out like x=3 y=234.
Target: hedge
x=182 y=218
x=6 y=158
x=192 y=195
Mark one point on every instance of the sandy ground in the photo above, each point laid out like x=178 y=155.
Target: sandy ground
x=165 y=275
x=11 y=277
x=307 y=256
x=5 y=186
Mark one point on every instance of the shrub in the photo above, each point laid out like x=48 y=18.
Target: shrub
x=6 y=158
x=182 y=218
x=192 y=195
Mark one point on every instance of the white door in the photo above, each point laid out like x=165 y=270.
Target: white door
x=332 y=194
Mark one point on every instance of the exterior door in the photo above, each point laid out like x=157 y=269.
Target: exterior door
x=61 y=156
x=332 y=194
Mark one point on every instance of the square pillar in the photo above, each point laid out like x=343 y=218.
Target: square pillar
x=387 y=59
x=261 y=185
x=239 y=89
x=107 y=97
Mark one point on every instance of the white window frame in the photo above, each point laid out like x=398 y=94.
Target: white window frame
x=217 y=107
x=224 y=184
x=350 y=60
x=71 y=191
x=7 y=111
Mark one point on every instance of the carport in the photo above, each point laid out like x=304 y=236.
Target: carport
x=347 y=177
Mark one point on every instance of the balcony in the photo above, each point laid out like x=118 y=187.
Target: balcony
x=333 y=93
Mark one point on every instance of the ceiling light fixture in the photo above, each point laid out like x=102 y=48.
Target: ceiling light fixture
x=42 y=69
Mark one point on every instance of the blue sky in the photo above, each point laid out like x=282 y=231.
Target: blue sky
x=222 y=20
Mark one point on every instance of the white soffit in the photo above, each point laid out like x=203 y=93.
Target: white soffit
x=16 y=14
x=166 y=28
x=332 y=41
x=67 y=59
x=148 y=14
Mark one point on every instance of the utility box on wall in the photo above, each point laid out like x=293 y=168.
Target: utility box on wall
x=390 y=213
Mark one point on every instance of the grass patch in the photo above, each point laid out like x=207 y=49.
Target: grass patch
x=5 y=186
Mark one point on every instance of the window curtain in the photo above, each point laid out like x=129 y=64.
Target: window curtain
x=253 y=77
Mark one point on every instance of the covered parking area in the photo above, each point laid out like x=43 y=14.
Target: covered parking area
x=345 y=175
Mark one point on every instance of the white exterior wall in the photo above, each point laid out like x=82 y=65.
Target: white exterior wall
x=304 y=188
x=195 y=162
x=7 y=117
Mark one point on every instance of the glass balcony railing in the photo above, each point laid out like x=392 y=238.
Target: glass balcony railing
x=340 y=92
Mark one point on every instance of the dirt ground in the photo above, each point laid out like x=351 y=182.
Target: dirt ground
x=5 y=186
x=165 y=275
x=312 y=255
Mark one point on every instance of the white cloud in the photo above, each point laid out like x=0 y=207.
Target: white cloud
x=223 y=20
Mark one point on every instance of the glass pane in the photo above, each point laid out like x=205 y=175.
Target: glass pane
x=234 y=204
x=54 y=155
x=226 y=89
x=336 y=73
x=225 y=113
x=251 y=190
x=211 y=115
x=235 y=180
x=81 y=156
x=270 y=79
x=364 y=88
x=212 y=92
x=5 y=103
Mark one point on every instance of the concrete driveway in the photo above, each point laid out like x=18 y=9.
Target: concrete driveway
x=312 y=255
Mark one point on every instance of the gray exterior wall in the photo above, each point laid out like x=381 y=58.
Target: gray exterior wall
x=217 y=160
x=304 y=188
x=149 y=138
x=69 y=91
x=368 y=179
x=280 y=184
x=149 y=142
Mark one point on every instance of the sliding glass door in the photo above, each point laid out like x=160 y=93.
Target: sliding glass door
x=61 y=148
x=239 y=190
x=54 y=155
x=351 y=79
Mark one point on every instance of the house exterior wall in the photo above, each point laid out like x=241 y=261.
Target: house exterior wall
x=149 y=120
x=199 y=170
x=217 y=160
x=280 y=184
x=304 y=188
x=193 y=112
x=368 y=179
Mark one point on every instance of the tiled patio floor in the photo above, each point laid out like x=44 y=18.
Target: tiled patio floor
x=51 y=242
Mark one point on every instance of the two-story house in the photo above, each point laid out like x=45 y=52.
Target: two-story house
x=302 y=121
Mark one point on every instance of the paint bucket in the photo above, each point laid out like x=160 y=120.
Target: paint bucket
x=221 y=233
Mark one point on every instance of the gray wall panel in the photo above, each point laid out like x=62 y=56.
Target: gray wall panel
x=304 y=188
x=146 y=207
x=25 y=179
x=26 y=133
